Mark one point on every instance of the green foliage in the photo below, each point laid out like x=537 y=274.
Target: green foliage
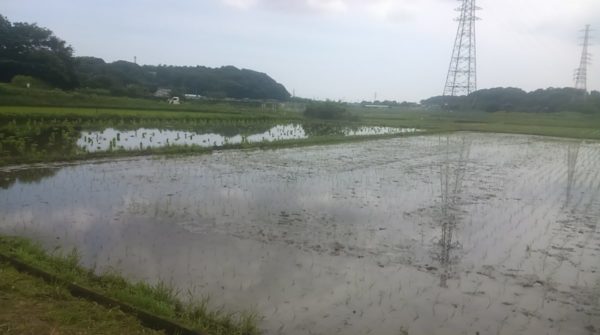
x=129 y=79
x=99 y=98
x=45 y=134
x=28 y=82
x=327 y=111
x=551 y=100
x=26 y=49
x=562 y=124
x=34 y=134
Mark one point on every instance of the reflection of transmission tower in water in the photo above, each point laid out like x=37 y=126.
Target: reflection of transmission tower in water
x=451 y=179
x=581 y=71
x=462 y=73
x=572 y=154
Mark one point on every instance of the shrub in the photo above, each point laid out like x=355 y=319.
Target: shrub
x=28 y=82
x=327 y=111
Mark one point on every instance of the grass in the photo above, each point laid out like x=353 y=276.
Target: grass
x=45 y=134
x=564 y=124
x=32 y=306
x=160 y=299
x=17 y=96
x=33 y=134
x=85 y=115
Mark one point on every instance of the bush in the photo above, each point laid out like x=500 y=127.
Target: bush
x=327 y=111
x=28 y=82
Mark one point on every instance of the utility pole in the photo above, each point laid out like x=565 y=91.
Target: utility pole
x=581 y=71
x=462 y=72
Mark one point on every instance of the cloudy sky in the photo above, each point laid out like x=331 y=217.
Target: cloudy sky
x=335 y=49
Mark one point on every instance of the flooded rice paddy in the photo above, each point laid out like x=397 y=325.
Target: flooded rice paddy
x=110 y=138
x=459 y=234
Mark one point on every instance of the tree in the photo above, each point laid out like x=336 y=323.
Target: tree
x=498 y=99
x=26 y=49
x=28 y=82
x=218 y=83
x=510 y=99
x=328 y=110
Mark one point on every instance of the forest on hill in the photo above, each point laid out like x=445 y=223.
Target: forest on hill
x=32 y=51
x=32 y=55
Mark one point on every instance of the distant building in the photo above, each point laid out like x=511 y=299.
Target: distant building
x=162 y=93
x=194 y=96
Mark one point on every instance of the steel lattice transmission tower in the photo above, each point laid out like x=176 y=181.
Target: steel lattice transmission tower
x=462 y=73
x=581 y=71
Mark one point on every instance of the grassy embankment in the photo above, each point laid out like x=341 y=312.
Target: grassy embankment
x=32 y=306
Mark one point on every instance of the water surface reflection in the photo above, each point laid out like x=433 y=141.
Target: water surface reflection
x=433 y=235
x=113 y=139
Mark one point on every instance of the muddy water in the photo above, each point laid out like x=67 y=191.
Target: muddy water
x=496 y=234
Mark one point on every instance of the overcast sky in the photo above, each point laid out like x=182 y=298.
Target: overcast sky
x=335 y=49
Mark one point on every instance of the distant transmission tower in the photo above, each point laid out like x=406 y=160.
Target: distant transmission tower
x=462 y=74
x=581 y=71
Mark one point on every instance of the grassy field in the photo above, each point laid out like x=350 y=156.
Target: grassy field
x=45 y=125
x=56 y=309
x=565 y=124
x=16 y=96
x=45 y=134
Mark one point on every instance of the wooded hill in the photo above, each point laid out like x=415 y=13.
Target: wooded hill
x=29 y=50
x=126 y=78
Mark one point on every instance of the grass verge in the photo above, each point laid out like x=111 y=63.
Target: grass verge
x=160 y=299
x=30 y=305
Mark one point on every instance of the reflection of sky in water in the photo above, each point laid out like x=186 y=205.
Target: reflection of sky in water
x=340 y=237
x=367 y=131
x=153 y=138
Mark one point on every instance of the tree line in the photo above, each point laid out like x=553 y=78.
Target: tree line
x=31 y=54
x=550 y=100
x=29 y=50
x=126 y=78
